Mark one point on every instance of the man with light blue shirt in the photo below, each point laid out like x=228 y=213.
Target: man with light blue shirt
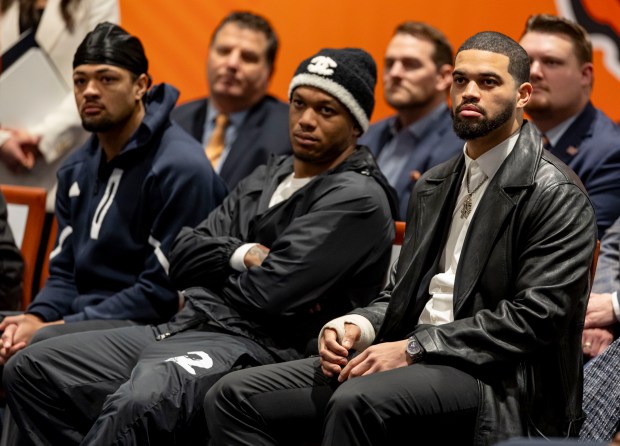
x=416 y=79
x=239 y=125
x=582 y=136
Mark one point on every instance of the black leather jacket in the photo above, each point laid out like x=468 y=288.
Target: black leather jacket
x=520 y=293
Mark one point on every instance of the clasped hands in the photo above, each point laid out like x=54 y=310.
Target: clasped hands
x=376 y=358
x=17 y=333
x=598 y=333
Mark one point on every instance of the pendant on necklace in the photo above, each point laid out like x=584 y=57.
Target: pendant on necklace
x=466 y=209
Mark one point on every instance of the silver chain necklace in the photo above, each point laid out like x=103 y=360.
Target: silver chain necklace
x=466 y=209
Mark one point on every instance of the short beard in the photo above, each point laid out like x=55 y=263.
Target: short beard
x=468 y=130
x=100 y=126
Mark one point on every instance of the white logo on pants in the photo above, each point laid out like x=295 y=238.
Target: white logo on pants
x=188 y=362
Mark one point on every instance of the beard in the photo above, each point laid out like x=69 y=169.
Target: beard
x=468 y=129
x=98 y=125
x=107 y=122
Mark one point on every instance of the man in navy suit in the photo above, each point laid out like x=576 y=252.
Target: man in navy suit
x=579 y=134
x=416 y=79
x=240 y=64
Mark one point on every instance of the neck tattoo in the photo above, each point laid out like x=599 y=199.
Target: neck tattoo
x=467 y=205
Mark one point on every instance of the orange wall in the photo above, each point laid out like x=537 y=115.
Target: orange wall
x=176 y=34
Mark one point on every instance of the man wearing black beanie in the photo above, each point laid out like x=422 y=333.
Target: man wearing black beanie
x=300 y=240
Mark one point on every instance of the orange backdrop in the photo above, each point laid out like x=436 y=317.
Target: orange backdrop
x=176 y=35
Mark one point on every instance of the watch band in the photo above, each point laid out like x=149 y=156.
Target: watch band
x=414 y=350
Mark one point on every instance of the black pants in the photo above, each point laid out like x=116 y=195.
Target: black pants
x=10 y=432
x=289 y=403
x=121 y=386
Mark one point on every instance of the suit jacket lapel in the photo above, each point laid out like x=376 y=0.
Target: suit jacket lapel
x=568 y=145
x=246 y=136
x=198 y=123
x=424 y=238
x=480 y=240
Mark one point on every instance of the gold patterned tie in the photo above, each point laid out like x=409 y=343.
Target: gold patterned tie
x=215 y=147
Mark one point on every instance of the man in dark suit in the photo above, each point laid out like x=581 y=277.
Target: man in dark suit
x=477 y=337
x=416 y=79
x=240 y=64
x=582 y=136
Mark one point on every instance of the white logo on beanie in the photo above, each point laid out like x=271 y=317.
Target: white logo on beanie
x=322 y=65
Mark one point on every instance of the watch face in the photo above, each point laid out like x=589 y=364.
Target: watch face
x=413 y=348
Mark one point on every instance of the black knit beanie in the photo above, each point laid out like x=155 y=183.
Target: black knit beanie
x=348 y=74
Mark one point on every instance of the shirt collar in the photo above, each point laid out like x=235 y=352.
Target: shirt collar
x=234 y=119
x=554 y=134
x=491 y=160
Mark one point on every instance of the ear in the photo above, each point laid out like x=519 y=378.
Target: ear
x=141 y=86
x=357 y=132
x=587 y=74
x=444 y=77
x=524 y=93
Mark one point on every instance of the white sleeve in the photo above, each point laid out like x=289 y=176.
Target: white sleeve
x=616 y=305
x=236 y=260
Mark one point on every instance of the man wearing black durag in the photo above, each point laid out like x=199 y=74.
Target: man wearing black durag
x=122 y=199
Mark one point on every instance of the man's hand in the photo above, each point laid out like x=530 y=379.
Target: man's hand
x=595 y=340
x=255 y=256
x=376 y=358
x=600 y=311
x=19 y=152
x=334 y=352
x=17 y=333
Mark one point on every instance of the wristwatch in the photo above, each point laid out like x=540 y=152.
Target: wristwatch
x=414 y=350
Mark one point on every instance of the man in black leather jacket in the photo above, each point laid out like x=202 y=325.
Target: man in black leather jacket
x=478 y=336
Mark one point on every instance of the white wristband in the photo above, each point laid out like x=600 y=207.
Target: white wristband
x=236 y=260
